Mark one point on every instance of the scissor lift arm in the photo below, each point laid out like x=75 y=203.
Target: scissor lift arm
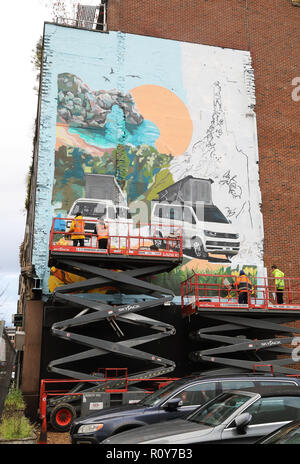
x=93 y=311
x=280 y=334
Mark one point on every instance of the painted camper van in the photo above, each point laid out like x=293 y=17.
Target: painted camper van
x=104 y=199
x=94 y=208
x=187 y=205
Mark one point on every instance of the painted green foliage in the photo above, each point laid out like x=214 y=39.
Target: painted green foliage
x=140 y=171
x=173 y=279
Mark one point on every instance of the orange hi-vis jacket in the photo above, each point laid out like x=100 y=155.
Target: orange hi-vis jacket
x=243 y=283
x=102 y=231
x=77 y=228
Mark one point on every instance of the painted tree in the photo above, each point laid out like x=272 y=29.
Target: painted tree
x=121 y=163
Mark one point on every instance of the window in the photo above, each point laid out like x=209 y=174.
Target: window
x=89 y=209
x=123 y=213
x=159 y=395
x=198 y=394
x=236 y=384
x=188 y=215
x=177 y=212
x=210 y=214
x=275 y=409
x=218 y=410
x=271 y=383
x=100 y=210
x=288 y=435
x=111 y=213
x=161 y=211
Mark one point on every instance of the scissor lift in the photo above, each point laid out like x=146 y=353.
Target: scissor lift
x=260 y=333
x=132 y=254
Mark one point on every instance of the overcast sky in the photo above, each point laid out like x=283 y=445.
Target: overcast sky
x=21 y=27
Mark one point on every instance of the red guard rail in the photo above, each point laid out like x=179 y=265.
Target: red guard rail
x=123 y=238
x=221 y=291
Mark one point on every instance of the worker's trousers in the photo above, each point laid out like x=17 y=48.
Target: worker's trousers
x=279 y=295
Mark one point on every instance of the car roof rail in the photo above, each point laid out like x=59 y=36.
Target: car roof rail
x=232 y=372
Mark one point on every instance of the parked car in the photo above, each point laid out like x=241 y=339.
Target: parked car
x=233 y=417
x=288 y=434
x=177 y=399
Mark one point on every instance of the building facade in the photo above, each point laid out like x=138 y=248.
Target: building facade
x=171 y=92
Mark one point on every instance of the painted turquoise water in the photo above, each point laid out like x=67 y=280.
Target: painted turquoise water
x=112 y=134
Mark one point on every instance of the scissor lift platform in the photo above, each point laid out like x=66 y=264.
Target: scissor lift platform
x=219 y=293
x=132 y=254
x=127 y=246
x=113 y=260
x=215 y=298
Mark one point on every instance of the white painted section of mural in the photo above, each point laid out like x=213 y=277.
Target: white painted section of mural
x=221 y=99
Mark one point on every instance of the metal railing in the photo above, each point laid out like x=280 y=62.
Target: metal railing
x=221 y=291
x=124 y=238
x=82 y=24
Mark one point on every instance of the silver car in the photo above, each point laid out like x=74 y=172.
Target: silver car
x=234 y=417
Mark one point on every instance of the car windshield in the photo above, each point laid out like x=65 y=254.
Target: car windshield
x=95 y=210
x=209 y=213
x=159 y=395
x=219 y=410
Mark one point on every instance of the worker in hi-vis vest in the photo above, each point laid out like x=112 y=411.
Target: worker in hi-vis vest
x=279 y=283
x=243 y=286
x=102 y=234
x=77 y=230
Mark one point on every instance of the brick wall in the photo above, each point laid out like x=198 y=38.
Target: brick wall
x=270 y=29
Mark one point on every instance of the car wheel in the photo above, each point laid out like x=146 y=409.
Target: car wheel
x=198 y=249
x=62 y=417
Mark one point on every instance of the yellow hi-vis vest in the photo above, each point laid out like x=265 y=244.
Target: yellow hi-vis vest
x=102 y=231
x=77 y=228
x=279 y=282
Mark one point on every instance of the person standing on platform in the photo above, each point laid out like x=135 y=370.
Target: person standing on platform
x=244 y=287
x=77 y=230
x=279 y=283
x=102 y=234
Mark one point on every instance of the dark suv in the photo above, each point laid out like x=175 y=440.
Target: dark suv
x=176 y=400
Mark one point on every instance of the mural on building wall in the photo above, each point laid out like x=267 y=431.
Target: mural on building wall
x=174 y=124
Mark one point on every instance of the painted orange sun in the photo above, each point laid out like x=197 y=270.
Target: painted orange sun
x=169 y=113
